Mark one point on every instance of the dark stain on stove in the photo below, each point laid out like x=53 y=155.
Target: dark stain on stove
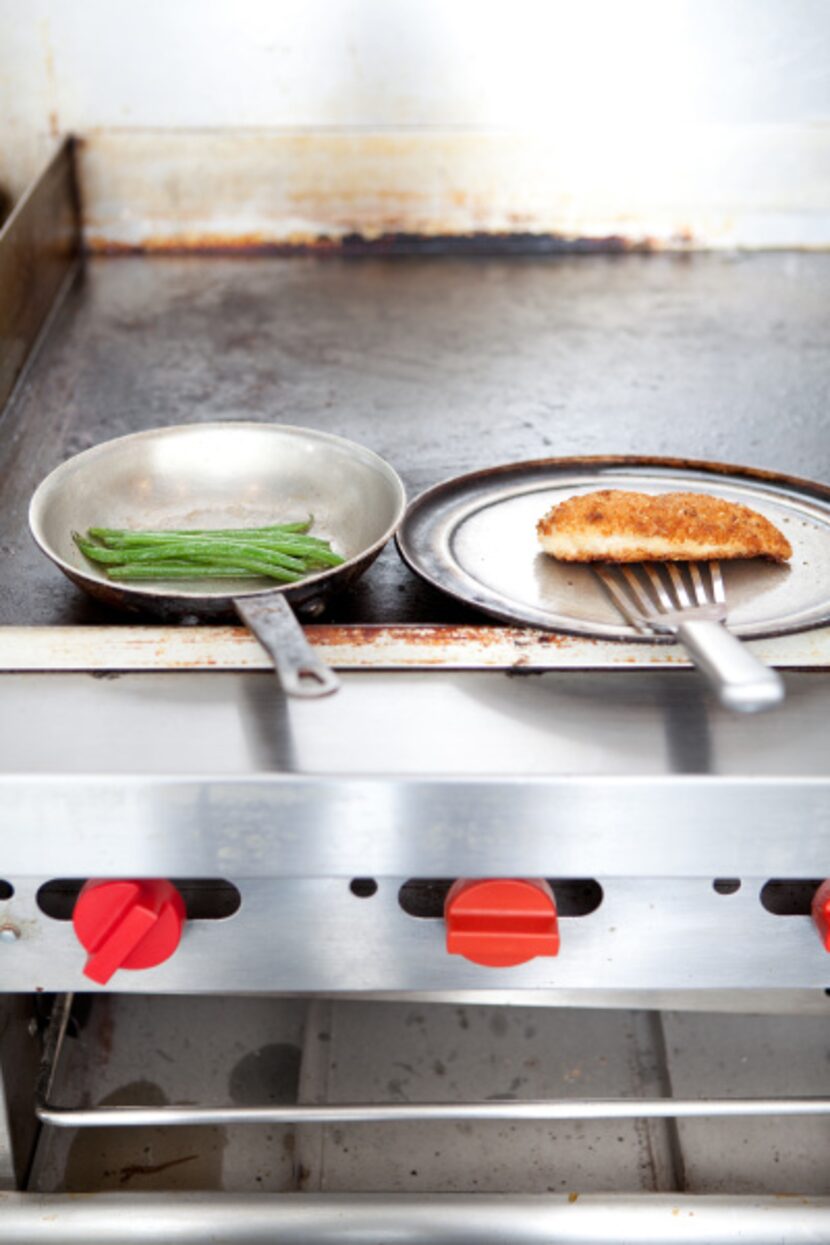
x=151 y=1169
x=105 y=1027
x=188 y=1158
x=498 y=1024
x=269 y=1074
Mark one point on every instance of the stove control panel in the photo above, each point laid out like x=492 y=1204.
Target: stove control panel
x=130 y=924
x=501 y=922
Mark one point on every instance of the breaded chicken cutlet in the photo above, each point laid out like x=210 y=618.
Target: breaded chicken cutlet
x=618 y=526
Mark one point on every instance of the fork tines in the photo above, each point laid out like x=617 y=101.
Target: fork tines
x=643 y=591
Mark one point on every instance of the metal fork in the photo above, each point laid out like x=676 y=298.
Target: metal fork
x=657 y=596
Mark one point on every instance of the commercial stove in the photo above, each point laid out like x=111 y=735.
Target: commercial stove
x=317 y=845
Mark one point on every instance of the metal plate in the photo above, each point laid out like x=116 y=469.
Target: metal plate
x=474 y=537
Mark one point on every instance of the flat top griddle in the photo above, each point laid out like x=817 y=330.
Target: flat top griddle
x=441 y=366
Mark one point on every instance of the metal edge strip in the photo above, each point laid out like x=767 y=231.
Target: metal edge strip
x=406 y=646
x=40 y=245
x=394 y=826
x=419 y=1219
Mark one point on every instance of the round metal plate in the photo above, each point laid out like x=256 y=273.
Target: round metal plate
x=474 y=537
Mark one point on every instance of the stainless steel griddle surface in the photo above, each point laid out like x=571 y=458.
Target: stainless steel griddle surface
x=441 y=366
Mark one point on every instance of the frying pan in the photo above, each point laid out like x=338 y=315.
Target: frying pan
x=224 y=475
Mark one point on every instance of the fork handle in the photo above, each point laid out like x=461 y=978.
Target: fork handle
x=741 y=681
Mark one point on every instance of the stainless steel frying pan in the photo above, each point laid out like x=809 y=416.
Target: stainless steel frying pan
x=226 y=475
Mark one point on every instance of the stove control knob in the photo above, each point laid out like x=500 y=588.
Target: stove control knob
x=501 y=922
x=821 y=913
x=127 y=924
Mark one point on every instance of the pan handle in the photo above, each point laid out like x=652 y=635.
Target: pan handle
x=299 y=669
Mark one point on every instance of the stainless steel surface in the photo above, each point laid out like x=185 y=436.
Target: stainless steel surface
x=226 y=475
x=316 y=826
x=375 y=1219
x=39 y=249
x=689 y=602
x=475 y=537
x=665 y=935
x=568 y=728
x=567 y=774
x=561 y=774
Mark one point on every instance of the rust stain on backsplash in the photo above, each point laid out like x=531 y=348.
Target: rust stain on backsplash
x=248 y=192
x=523 y=191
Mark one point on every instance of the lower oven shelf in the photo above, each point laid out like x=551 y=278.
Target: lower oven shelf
x=589 y=1180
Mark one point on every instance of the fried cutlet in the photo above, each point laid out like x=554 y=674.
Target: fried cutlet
x=618 y=526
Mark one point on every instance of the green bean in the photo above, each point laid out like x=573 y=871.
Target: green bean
x=102 y=533
x=204 y=570
x=185 y=570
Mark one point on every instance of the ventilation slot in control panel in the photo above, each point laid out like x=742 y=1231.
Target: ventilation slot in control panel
x=205 y=899
x=424 y=898
x=789 y=896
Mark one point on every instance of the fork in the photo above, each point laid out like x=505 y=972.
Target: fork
x=657 y=597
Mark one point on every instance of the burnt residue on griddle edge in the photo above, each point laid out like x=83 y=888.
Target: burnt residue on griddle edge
x=387 y=244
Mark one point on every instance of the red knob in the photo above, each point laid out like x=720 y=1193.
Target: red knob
x=500 y=922
x=130 y=924
x=821 y=913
